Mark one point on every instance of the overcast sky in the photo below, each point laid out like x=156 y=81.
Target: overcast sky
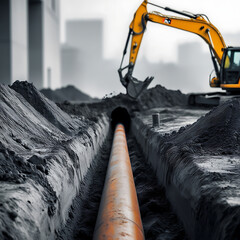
x=160 y=42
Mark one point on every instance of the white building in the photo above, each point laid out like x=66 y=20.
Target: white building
x=13 y=40
x=30 y=42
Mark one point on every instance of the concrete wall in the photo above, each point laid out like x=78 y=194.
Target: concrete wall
x=13 y=41
x=29 y=42
x=35 y=24
x=71 y=65
x=51 y=38
x=44 y=42
x=19 y=40
x=5 y=42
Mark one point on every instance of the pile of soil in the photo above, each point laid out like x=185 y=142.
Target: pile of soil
x=153 y=97
x=216 y=133
x=159 y=96
x=199 y=167
x=44 y=156
x=68 y=93
x=213 y=144
x=46 y=108
x=159 y=220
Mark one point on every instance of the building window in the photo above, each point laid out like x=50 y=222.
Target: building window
x=53 y=5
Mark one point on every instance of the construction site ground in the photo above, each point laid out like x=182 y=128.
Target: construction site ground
x=53 y=161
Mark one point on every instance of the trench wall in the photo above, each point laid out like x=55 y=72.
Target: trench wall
x=193 y=194
x=33 y=213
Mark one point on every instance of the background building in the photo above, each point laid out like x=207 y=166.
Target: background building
x=30 y=42
x=83 y=63
x=71 y=65
x=13 y=40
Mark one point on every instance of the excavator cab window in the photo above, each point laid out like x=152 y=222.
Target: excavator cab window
x=231 y=70
x=232 y=59
x=236 y=59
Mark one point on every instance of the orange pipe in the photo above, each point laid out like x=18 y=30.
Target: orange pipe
x=119 y=215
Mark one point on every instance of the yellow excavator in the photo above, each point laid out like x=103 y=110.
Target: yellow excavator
x=226 y=60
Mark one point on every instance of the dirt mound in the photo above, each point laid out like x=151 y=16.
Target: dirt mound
x=44 y=157
x=159 y=96
x=45 y=107
x=218 y=132
x=199 y=167
x=154 y=97
x=68 y=93
x=51 y=95
x=23 y=128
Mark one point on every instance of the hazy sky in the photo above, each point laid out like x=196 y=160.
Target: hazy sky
x=160 y=42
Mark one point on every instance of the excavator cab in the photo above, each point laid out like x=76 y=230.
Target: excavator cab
x=230 y=69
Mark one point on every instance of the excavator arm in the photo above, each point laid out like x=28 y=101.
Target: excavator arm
x=197 y=24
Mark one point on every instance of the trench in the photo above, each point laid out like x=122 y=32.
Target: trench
x=158 y=218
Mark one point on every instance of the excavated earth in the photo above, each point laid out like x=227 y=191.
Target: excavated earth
x=45 y=155
x=53 y=160
x=199 y=166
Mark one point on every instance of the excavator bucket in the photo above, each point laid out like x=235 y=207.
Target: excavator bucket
x=136 y=87
x=133 y=86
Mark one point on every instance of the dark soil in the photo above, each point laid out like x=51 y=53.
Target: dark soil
x=84 y=210
x=216 y=133
x=68 y=93
x=159 y=220
x=36 y=137
x=154 y=97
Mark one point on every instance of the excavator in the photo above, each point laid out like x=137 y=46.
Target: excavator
x=226 y=60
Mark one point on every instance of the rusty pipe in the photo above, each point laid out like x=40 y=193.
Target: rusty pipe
x=119 y=215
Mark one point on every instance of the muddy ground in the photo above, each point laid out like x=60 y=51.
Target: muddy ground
x=41 y=164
